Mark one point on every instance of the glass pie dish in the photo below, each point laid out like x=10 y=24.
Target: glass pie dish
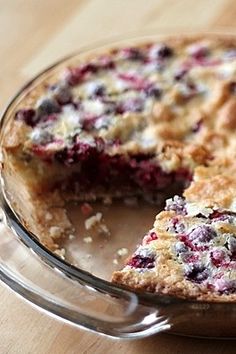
x=77 y=289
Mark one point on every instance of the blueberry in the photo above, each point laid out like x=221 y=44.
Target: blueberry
x=133 y=54
x=196 y=273
x=48 y=106
x=100 y=90
x=28 y=116
x=154 y=92
x=180 y=247
x=62 y=94
x=202 y=233
x=165 y=52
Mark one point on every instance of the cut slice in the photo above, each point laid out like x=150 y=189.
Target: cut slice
x=187 y=254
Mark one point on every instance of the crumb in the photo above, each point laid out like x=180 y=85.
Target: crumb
x=71 y=237
x=104 y=229
x=86 y=209
x=88 y=239
x=132 y=201
x=88 y=256
x=92 y=221
x=115 y=261
x=107 y=201
x=122 y=252
x=95 y=222
x=48 y=216
x=55 y=231
x=61 y=253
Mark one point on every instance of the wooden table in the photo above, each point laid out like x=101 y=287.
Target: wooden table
x=33 y=34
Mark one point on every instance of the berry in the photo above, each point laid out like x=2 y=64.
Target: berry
x=180 y=247
x=177 y=226
x=163 y=52
x=154 y=92
x=130 y=105
x=141 y=262
x=152 y=236
x=28 y=116
x=219 y=258
x=132 y=54
x=99 y=91
x=62 y=94
x=196 y=273
x=225 y=286
x=200 y=53
x=76 y=75
x=48 y=106
x=202 y=233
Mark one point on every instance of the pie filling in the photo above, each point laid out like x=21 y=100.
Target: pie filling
x=141 y=120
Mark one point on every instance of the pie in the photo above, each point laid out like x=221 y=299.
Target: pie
x=140 y=120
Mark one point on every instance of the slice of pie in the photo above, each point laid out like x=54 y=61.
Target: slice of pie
x=143 y=120
x=189 y=253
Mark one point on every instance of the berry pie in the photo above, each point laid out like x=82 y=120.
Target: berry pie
x=146 y=120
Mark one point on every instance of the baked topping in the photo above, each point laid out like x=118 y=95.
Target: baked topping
x=141 y=96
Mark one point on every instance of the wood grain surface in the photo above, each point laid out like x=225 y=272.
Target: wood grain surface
x=34 y=33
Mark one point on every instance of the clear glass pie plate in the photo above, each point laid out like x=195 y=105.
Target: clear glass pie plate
x=77 y=289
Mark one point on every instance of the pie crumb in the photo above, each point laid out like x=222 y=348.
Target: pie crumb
x=96 y=221
x=122 y=252
x=48 y=216
x=61 y=253
x=55 y=231
x=88 y=239
x=92 y=221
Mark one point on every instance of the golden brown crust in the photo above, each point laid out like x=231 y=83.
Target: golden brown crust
x=214 y=185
